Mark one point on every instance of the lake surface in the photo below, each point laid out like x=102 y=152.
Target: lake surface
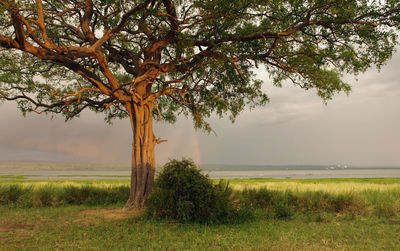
x=224 y=172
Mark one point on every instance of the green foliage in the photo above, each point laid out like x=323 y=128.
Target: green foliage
x=211 y=50
x=182 y=193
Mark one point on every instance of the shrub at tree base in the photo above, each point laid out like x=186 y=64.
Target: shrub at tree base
x=182 y=193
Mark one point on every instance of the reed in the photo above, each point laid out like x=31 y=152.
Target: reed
x=49 y=195
x=282 y=199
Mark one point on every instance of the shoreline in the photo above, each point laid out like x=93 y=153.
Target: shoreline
x=91 y=171
x=228 y=174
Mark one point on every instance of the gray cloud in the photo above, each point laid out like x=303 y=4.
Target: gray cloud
x=88 y=138
x=295 y=128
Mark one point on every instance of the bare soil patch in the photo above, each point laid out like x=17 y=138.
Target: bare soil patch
x=14 y=227
x=111 y=213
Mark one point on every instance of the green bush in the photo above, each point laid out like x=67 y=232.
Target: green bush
x=182 y=193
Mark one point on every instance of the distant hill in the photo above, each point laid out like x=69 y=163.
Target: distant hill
x=223 y=167
x=58 y=166
x=39 y=165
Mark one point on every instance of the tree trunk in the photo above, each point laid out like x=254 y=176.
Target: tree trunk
x=143 y=161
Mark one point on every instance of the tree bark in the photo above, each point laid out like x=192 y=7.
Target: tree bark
x=143 y=161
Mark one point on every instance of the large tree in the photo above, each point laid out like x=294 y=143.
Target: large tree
x=145 y=59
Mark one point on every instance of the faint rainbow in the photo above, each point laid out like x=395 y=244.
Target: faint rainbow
x=197 y=150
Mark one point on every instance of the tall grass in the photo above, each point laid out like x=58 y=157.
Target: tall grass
x=284 y=204
x=329 y=187
x=48 y=195
x=352 y=198
x=282 y=201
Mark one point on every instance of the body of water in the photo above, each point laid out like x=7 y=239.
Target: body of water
x=224 y=172
x=300 y=171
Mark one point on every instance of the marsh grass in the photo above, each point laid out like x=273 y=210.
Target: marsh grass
x=372 y=196
x=284 y=204
x=52 y=195
x=37 y=216
x=323 y=185
x=13 y=176
x=66 y=182
x=100 y=175
x=319 y=181
x=280 y=198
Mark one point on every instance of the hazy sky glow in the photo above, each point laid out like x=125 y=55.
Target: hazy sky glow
x=295 y=128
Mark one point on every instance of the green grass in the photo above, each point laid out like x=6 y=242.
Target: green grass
x=38 y=182
x=343 y=214
x=105 y=176
x=18 y=177
x=319 y=181
x=326 y=185
x=86 y=228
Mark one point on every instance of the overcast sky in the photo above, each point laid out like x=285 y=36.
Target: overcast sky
x=294 y=128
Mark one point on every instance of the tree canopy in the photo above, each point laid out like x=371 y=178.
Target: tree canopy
x=159 y=58
x=198 y=57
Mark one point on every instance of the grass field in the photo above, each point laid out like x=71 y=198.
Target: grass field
x=365 y=216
